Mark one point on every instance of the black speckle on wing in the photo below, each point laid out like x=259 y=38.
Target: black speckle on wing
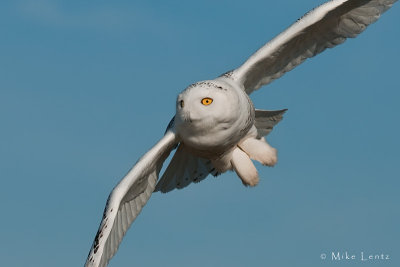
x=227 y=74
x=99 y=234
x=206 y=84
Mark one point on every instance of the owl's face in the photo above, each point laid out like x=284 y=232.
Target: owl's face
x=206 y=112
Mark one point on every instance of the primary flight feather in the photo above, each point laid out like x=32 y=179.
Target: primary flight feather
x=216 y=127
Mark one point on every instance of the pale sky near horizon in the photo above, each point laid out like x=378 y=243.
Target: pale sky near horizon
x=87 y=87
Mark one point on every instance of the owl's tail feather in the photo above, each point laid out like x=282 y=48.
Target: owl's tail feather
x=184 y=169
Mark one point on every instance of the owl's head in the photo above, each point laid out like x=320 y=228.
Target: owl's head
x=206 y=112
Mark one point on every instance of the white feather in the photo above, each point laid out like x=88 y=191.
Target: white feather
x=324 y=27
x=126 y=201
x=244 y=167
x=228 y=131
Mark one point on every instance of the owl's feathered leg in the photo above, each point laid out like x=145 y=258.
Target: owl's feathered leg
x=260 y=150
x=244 y=167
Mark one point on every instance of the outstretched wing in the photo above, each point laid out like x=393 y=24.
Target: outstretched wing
x=324 y=27
x=126 y=201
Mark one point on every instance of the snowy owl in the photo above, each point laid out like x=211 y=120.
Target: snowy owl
x=216 y=127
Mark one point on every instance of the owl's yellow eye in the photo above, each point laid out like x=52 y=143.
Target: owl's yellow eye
x=206 y=101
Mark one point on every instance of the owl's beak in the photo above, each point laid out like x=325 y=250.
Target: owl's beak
x=187 y=117
x=184 y=115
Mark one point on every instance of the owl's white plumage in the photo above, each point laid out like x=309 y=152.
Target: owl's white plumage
x=210 y=129
x=216 y=127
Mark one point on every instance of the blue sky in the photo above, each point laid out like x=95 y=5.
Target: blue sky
x=87 y=87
